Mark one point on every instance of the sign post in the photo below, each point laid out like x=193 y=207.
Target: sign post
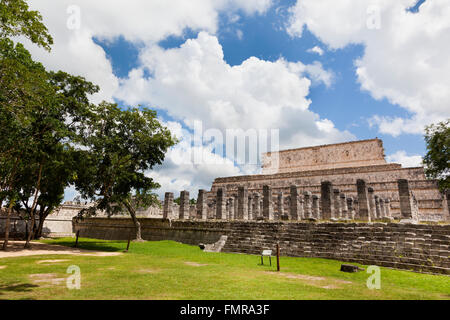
x=278 y=256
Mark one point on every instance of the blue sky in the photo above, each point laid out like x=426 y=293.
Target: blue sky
x=378 y=69
x=264 y=37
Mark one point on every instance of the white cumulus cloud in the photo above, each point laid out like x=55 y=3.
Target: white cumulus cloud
x=194 y=82
x=405 y=58
x=317 y=50
x=180 y=171
x=74 y=23
x=404 y=159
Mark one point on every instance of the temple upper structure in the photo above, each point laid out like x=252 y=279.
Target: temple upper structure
x=341 y=155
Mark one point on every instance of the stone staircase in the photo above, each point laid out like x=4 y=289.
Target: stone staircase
x=217 y=246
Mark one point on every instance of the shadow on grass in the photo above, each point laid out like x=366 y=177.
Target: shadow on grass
x=21 y=287
x=95 y=245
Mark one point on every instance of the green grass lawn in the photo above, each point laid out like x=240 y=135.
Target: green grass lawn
x=169 y=270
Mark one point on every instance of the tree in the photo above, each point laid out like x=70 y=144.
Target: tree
x=40 y=116
x=16 y=19
x=122 y=145
x=55 y=126
x=437 y=159
x=22 y=86
x=58 y=173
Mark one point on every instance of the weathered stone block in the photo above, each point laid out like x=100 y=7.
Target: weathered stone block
x=326 y=190
x=242 y=210
x=168 y=206
x=221 y=213
x=202 y=207
x=363 y=200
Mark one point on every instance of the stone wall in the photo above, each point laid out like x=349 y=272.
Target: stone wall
x=332 y=156
x=59 y=223
x=188 y=232
x=423 y=248
x=53 y=227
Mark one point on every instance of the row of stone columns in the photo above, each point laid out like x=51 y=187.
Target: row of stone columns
x=336 y=205
x=408 y=203
x=331 y=205
x=371 y=206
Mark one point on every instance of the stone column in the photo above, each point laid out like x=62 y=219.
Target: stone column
x=235 y=206
x=287 y=206
x=363 y=200
x=227 y=207
x=308 y=205
x=337 y=213
x=250 y=207
x=267 y=203
x=301 y=208
x=407 y=209
x=221 y=213
x=231 y=207
x=382 y=210
x=387 y=208
x=242 y=209
x=316 y=207
x=343 y=206
x=202 y=207
x=377 y=208
x=184 y=205
x=280 y=205
x=168 y=206
x=350 y=209
x=256 y=206
x=356 y=208
x=294 y=212
x=261 y=206
x=211 y=213
x=325 y=198
x=371 y=198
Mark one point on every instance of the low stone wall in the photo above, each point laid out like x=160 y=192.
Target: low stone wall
x=423 y=248
x=59 y=223
x=184 y=231
x=53 y=227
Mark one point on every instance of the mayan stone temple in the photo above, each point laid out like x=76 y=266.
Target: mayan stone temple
x=340 y=201
x=349 y=180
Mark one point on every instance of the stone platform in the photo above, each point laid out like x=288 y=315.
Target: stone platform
x=422 y=248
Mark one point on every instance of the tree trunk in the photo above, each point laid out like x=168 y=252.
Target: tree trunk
x=8 y=221
x=12 y=202
x=43 y=214
x=38 y=233
x=137 y=224
x=33 y=209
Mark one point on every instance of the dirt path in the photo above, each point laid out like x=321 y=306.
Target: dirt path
x=321 y=282
x=15 y=249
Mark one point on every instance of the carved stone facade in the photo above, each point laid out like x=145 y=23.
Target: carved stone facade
x=343 y=165
x=341 y=155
